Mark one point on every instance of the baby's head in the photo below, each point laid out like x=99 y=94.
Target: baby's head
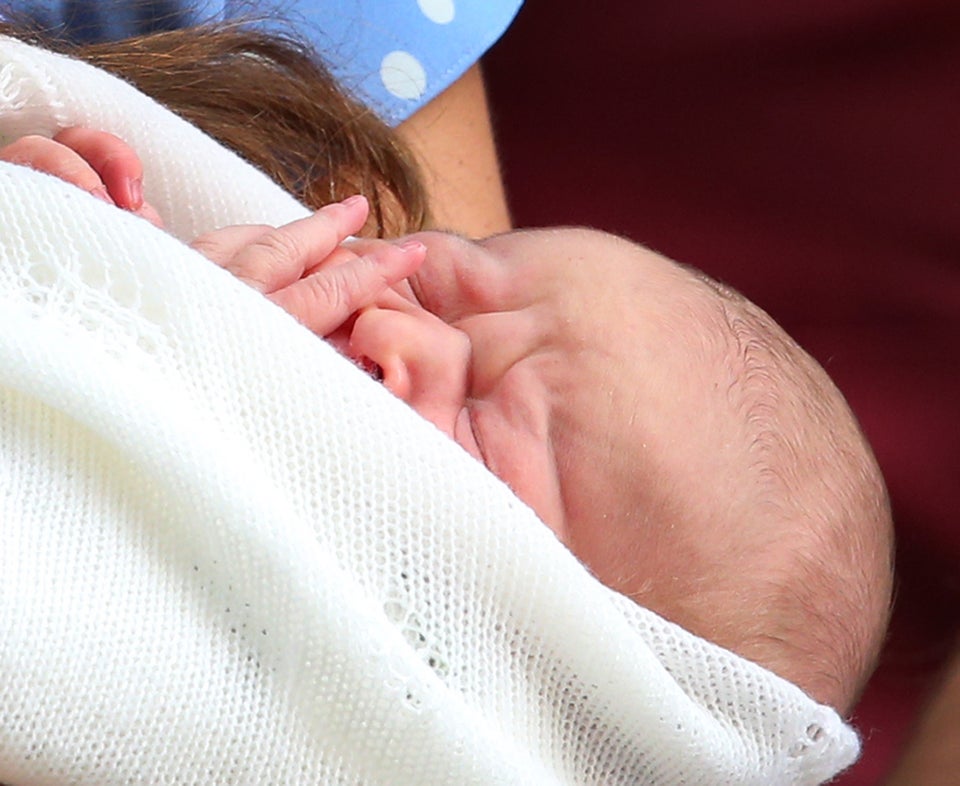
x=674 y=438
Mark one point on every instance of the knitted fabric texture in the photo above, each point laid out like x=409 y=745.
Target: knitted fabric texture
x=227 y=556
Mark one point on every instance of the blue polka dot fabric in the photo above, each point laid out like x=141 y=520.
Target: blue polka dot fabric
x=396 y=55
x=400 y=54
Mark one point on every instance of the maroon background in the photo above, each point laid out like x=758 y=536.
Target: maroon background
x=808 y=153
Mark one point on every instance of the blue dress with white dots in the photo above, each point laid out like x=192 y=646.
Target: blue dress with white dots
x=396 y=55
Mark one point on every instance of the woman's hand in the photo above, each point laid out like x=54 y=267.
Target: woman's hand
x=95 y=161
x=305 y=267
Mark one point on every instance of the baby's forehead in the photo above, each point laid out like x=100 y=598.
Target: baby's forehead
x=515 y=269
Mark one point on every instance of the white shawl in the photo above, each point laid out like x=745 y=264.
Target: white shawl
x=227 y=556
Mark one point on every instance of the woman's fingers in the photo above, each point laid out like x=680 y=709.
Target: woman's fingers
x=117 y=165
x=147 y=212
x=54 y=158
x=324 y=300
x=95 y=161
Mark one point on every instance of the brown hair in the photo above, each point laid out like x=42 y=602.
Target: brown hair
x=271 y=100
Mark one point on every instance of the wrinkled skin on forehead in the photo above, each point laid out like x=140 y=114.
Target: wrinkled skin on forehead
x=685 y=449
x=573 y=364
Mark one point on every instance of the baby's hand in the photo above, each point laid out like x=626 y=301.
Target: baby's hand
x=303 y=266
x=95 y=161
x=306 y=268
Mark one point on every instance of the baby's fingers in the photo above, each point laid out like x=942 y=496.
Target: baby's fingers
x=324 y=300
x=278 y=257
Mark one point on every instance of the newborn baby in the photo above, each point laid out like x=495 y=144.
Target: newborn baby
x=670 y=434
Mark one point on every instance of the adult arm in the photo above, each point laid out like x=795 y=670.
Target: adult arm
x=452 y=138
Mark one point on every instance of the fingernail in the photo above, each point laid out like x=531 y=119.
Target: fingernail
x=135 y=189
x=409 y=246
x=356 y=199
x=101 y=193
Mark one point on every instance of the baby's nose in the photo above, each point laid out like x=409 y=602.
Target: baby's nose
x=423 y=360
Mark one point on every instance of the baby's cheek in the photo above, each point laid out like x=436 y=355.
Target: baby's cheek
x=516 y=451
x=465 y=436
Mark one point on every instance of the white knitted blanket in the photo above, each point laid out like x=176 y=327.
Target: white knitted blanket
x=229 y=557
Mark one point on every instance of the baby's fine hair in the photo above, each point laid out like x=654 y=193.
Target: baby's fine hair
x=817 y=618
x=819 y=551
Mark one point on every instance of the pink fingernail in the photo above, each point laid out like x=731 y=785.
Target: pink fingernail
x=409 y=246
x=135 y=189
x=354 y=200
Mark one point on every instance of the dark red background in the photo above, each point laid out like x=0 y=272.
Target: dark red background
x=808 y=154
